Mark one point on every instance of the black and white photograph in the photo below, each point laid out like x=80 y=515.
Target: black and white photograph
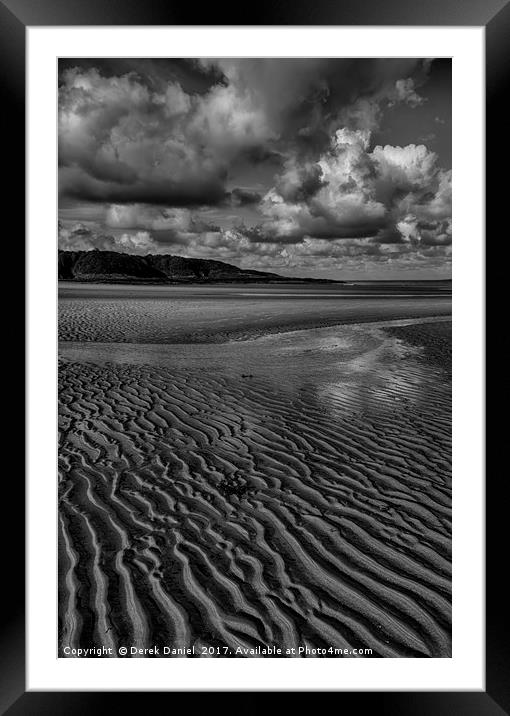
x=254 y=357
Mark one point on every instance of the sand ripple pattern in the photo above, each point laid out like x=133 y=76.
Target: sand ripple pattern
x=198 y=511
x=216 y=320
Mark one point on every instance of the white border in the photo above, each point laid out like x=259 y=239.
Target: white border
x=465 y=670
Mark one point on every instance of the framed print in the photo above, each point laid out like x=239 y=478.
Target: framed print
x=255 y=327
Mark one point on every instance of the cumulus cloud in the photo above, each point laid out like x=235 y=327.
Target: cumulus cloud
x=390 y=194
x=141 y=216
x=120 y=141
x=80 y=237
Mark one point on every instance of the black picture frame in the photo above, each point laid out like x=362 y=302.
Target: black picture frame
x=15 y=17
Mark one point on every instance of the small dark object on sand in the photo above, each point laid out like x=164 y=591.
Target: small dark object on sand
x=234 y=484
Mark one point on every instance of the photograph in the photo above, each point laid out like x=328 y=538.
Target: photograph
x=254 y=357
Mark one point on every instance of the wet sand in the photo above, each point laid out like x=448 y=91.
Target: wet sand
x=198 y=314
x=292 y=489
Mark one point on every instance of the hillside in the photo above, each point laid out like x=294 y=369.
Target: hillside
x=112 y=267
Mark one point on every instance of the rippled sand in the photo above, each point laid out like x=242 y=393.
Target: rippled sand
x=166 y=314
x=288 y=490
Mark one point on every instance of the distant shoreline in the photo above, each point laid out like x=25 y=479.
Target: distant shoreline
x=197 y=282
x=237 y=281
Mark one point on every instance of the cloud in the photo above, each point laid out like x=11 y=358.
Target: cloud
x=299 y=180
x=120 y=141
x=140 y=216
x=123 y=138
x=80 y=237
x=230 y=120
x=190 y=189
x=243 y=197
x=390 y=194
x=305 y=99
x=405 y=92
x=366 y=111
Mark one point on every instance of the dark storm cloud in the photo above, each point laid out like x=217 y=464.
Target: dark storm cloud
x=243 y=197
x=194 y=190
x=121 y=140
x=191 y=74
x=304 y=100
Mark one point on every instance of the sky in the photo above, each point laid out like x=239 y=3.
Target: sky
x=316 y=167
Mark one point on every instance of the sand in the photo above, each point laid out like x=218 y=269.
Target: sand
x=166 y=314
x=290 y=490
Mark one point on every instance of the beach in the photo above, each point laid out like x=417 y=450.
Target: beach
x=251 y=468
